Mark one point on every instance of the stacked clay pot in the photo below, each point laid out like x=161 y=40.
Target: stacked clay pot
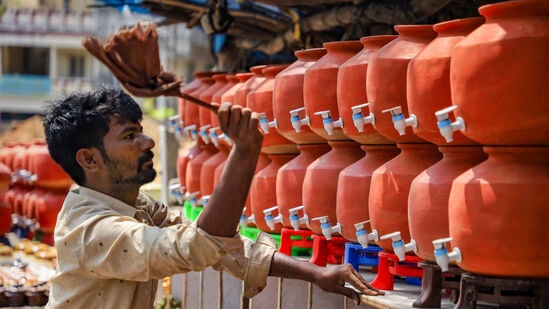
x=428 y=91
x=320 y=99
x=498 y=208
x=386 y=80
x=354 y=181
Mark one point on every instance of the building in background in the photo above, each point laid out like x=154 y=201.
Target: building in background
x=41 y=56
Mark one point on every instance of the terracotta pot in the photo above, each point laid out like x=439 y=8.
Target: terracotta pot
x=207 y=172
x=351 y=91
x=221 y=166
x=320 y=87
x=428 y=81
x=241 y=94
x=289 y=181
x=48 y=173
x=8 y=152
x=386 y=79
x=321 y=181
x=288 y=96
x=5 y=177
x=206 y=115
x=429 y=194
x=183 y=159
x=263 y=162
x=188 y=89
x=260 y=100
x=192 y=177
x=353 y=188
x=499 y=108
x=390 y=187
x=191 y=114
x=5 y=217
x=263 y=190
x=229 y=95
x=498 y=212
x=231 y=80
x=47 y=207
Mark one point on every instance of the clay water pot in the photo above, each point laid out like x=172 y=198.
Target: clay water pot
x=188 y=89
x=386 y=79
x=48 y=173
x=499 y=212
x=320 y=88
x=229 y=95
x=263 y=190
x=207 y=172
x=351 y=91
x=191 y=114
x=390 y=187
x=428 y=81
x=430 y=192
x=241 y=95
x=353 y=188
x=321 y=181
x=221 y=166
x=263 y=162
x=183 y=159
x=288 y=96
x=260 y=100
x=289 y=181
x=500 y=108
x=206 y=115
x=5 y=217
x=8 y=152
x=5 y=177
x=194 y=166
x=46 y=207
x=231 y=80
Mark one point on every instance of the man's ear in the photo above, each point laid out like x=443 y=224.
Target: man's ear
x=86 y=157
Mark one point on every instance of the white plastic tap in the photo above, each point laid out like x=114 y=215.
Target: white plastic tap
x=398 y=245
x=362 y=234
x=298 y=122
x=204 y=199
x=328 y=121
x=295 y=220
x=327 y=229
x=265 y=124
x=191 y=132
x=358 y=117
x=442 y=256
x=270 y=219
x=175 y=126
x=191 y=197
x=245 y=220
x=176 y=191
x=399 y=121
x=445 y=126
x=204 y=133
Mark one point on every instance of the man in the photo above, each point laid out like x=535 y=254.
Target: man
x=114 y=242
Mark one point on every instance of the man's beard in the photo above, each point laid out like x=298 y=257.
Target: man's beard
x=120 y=168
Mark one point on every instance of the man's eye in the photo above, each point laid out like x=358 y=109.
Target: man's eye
x=130 y=136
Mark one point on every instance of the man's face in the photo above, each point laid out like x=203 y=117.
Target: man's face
x=129 y=155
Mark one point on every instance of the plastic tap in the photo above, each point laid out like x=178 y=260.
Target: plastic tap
x=244 y=220
x=398 y=245
x=399 y=121
x=265 y=124
x=215 y=137
x=442 y=256
x=327 y=229
x=176 y=191
x=358 y=117
x=329 y=123
x=191 y=132
x=191 y=197
x=270 y=219
x=298 y=122
x=175 y=126
x=363 y=236
x=445 y=126
x=204 y=199
x=204 y=133
x=295 y=220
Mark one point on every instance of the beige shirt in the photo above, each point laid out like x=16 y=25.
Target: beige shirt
x=110 y=254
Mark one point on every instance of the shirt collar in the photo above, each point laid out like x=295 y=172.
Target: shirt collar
x=112 y=202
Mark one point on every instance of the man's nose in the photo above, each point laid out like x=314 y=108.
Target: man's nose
x=147 y=142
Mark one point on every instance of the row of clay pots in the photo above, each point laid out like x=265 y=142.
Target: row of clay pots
x=429 y=189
